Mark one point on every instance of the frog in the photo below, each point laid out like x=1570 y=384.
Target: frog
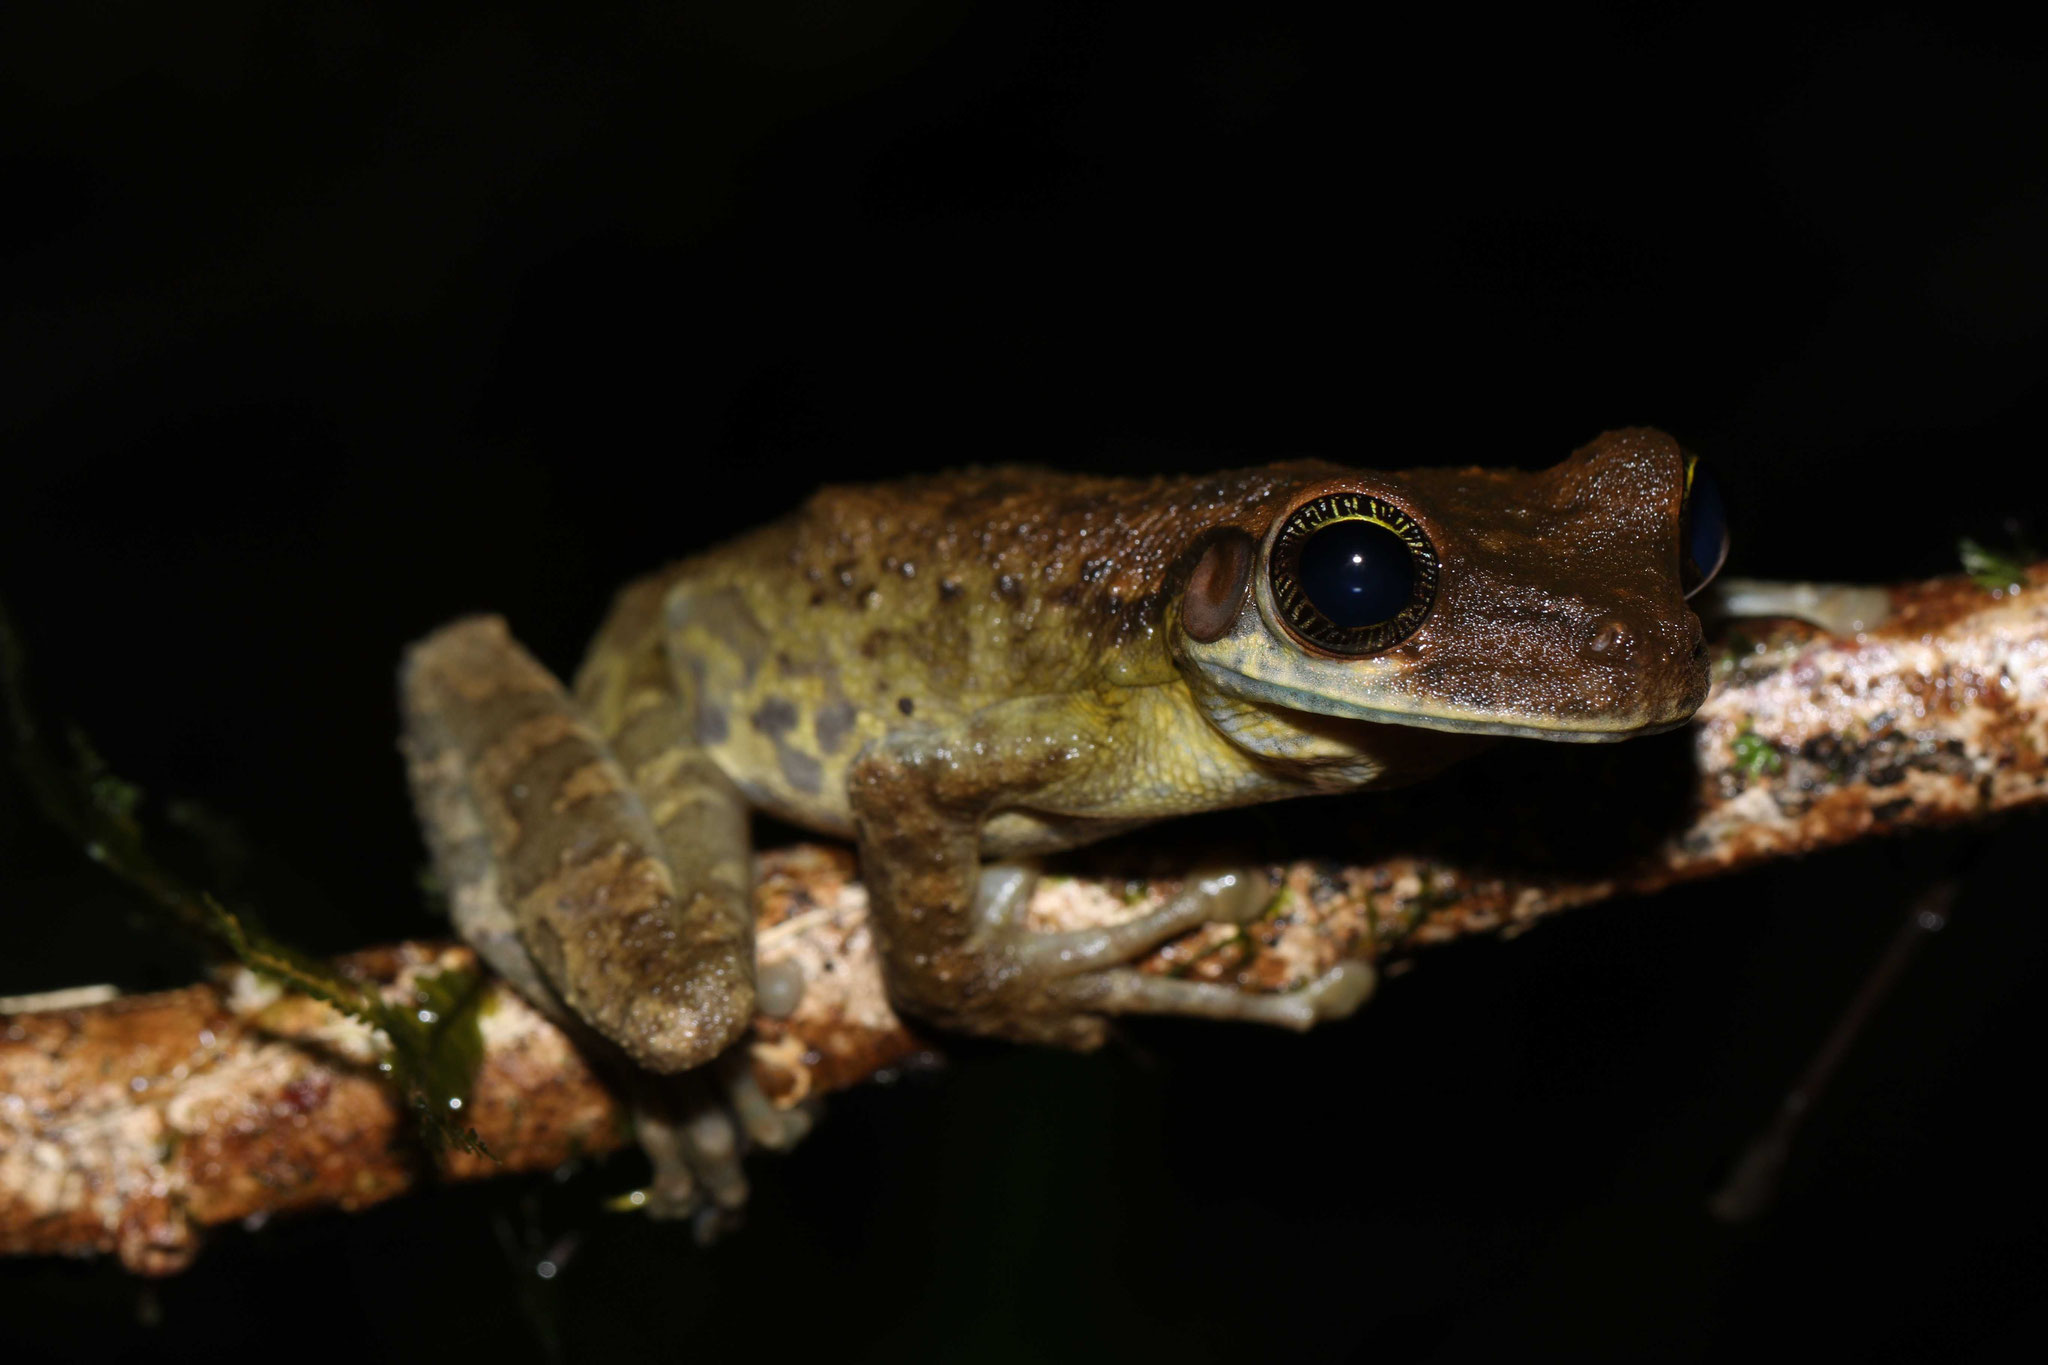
x=963 y=673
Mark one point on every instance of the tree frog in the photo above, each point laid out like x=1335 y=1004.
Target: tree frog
x=963 y=672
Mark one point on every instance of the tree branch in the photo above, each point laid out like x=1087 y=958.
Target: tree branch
x=131 y=1124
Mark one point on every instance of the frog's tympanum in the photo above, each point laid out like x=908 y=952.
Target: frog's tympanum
x=962 y=672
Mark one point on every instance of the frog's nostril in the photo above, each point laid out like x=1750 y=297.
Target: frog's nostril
x=1610 y=637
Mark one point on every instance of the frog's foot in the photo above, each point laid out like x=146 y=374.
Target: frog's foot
x=1336 y=994
x=1838 y=608
x=1233 y=895
x=696 y=1131
x=1084 y=971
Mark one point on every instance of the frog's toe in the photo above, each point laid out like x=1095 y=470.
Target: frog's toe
x=765 y=1123
x=1002 y=892
x=1335 y=994
x=696 y=1131
x=1232 y=895
x=694 y=1151
x=1340 y=992
x=778 y=988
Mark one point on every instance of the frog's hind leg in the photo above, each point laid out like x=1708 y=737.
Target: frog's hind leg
x=614 y=905
x=556 y=851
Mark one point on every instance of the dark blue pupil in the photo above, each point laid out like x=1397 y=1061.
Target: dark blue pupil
x=1356 y=573
x=1706 y=529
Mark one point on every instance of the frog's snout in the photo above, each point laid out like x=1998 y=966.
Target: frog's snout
x=1658 y=665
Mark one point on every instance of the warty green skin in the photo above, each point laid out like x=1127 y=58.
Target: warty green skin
x=993 y=664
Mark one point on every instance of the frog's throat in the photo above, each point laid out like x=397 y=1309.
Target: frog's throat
x=1568 y=729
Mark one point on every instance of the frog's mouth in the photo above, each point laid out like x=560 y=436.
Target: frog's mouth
x=1590 y=728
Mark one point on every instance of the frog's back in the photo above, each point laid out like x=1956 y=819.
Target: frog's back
x=874 y=608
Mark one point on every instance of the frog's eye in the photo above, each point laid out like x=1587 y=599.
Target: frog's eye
x=1703 y=528
x=1352 y=574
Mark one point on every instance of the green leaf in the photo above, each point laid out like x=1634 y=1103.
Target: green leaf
x=435 y=1045
x=1756 y=756
x=1993 y=570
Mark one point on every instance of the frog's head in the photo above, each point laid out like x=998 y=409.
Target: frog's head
x=1547 y=604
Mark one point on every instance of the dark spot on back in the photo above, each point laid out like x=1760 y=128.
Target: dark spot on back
x=905 y=705
x=724 y=616
x=774 y=717
x=831 y=725
x=712 y=726
x=800 y=770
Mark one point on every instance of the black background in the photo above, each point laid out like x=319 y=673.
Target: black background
x=323 y=325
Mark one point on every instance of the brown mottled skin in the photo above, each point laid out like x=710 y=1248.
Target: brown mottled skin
x=993 y=664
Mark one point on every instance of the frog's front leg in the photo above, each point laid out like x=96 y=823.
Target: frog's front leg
x=953 y=942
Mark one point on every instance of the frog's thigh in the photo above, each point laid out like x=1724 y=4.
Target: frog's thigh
x=654 y=956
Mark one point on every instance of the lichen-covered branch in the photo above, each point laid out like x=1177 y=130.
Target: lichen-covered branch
x=132 y=1124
